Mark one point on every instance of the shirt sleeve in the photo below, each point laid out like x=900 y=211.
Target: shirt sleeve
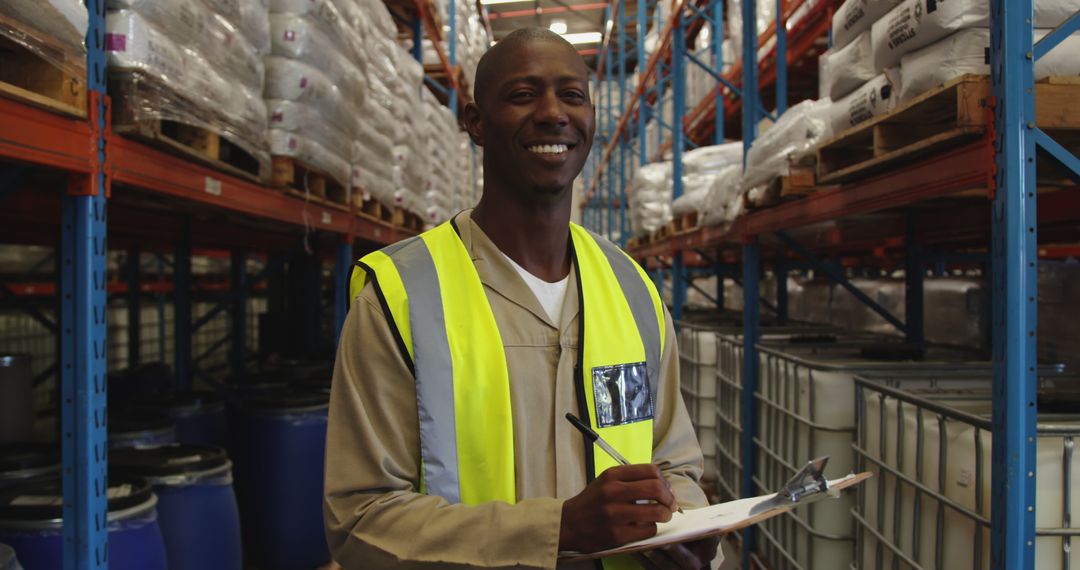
x=374 y=516
x=675 y=446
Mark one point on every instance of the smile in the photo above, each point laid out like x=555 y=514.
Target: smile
x=549 y=148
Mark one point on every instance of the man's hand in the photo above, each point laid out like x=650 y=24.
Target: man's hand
x=689 y=556
x=622 y=505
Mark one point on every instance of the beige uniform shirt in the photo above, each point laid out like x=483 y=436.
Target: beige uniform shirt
x=374 y=516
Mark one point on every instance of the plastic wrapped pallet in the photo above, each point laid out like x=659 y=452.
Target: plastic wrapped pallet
x=302 y=39
x=877 y=97
x=712 y=158
x=157 y=79
x=285 y=143
x=44 y=26
x=797 y=132
x=650 y=199
x=291 y=80
x=723 y=202
x=844 y=70
x=914 y=24
x=965 y=52
x=250 y=17
x=855 y=17
x=695 y=190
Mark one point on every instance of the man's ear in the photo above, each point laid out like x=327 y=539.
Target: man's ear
x=473 y=124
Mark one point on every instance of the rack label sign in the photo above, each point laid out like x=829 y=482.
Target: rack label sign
x=212 y=186
x=326 y=219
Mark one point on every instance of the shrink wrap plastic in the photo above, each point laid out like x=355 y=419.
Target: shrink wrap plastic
x=160 y=80
x=724 y=202
x=192 y=25
x=877 y=97
x=797 y=132
x=302 y=39
x=712 y=158
x=55 y=30
x=285 y=143
x=844 y=70
x=650 y=198
x=965 y=52
x=913 y=24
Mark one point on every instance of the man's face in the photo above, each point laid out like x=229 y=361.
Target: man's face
x=536 y=120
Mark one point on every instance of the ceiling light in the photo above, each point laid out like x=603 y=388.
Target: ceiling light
x=584 y=38
x=490 y=2
x=558 y=25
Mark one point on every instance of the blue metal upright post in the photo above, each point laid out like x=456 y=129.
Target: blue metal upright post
x=343 y=262
x=621 y=35
x=914 y=273
x=451 y=10
x=678 y=145
x=717 y=40
x=182 y=330
x=238 y=287
x=781 y=58
x=1014 y=290
x=751 y=333
x=82 y=336
x=418 y=40
x=750 y=113
x=609 y=98
x=134 y=324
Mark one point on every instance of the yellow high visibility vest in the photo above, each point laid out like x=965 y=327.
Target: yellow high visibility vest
x=432 y=296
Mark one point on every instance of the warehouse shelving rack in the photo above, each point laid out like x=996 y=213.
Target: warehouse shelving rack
x=910 y=212
x=68 y=175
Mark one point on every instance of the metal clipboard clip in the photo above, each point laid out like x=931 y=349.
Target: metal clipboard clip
x=808 y=485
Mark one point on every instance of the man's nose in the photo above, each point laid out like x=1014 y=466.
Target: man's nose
x=551 y=111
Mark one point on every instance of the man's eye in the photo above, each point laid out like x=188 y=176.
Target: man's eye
x=577 y=95
x=517 y=95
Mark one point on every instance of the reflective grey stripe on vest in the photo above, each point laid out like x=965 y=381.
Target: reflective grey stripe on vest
x=434 y=368
x=641 y=305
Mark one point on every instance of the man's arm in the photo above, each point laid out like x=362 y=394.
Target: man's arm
x=375 y=518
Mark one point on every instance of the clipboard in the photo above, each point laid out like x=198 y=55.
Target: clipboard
x=807 y=486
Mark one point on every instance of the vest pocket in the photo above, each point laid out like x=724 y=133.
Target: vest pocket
x=622 y=394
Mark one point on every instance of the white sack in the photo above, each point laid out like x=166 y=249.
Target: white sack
x=845 y=69
x=798 y=131
x=877 y=97
x=914 y=24
x=855 y=17
x=712 y=158
x=965 y=52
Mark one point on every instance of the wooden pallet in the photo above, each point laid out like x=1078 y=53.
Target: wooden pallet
x=374 y=209
x=683 y=223
x=31 y=78
x=295 y=177
x=130 y=99
x=942 y=117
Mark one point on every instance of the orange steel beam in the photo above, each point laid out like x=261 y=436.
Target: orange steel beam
x=42 y=138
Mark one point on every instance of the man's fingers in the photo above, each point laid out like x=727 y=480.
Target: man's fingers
x=636 y=472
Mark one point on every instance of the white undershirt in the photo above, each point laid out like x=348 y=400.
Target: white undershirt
x=550 y=295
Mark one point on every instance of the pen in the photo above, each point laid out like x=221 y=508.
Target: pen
x=595 y=438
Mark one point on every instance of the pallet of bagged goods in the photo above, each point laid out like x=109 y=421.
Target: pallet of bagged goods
x=43 y=55
x=187 y=77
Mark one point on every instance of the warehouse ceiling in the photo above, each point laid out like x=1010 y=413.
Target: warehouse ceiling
x=581 y=18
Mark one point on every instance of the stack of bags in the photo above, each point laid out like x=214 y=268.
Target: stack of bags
x=710 y=183
x=796 y=134
x=316 y=83
x=448 y=162
x=472 y=37
x=196 y=62
x=650 y=198
x=888 y=51
x=41 y=26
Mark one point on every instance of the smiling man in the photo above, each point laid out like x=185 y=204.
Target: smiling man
x=466 y=347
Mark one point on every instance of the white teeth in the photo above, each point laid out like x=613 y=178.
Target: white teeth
x=549 y=148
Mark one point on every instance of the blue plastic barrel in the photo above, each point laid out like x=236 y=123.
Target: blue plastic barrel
x=22 y=462
x=31 y=522
x=140 y=430
x=196 y=507
x=8 y=559
x=278 y=443
x=199 y=416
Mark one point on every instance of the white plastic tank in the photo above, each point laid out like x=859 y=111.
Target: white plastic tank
x=960 y=472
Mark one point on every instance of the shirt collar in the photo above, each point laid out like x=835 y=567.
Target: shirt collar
x=497 y=273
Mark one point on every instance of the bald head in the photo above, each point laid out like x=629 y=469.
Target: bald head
x=493 y=59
